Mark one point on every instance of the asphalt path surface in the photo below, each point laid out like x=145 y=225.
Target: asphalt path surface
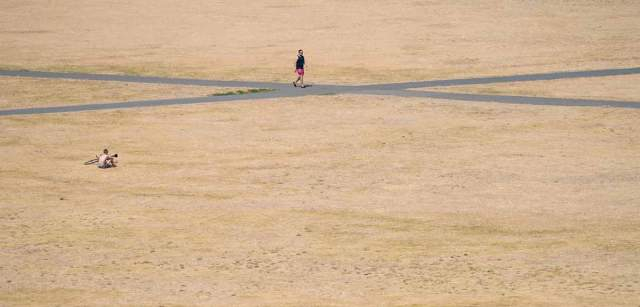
x=287 y=90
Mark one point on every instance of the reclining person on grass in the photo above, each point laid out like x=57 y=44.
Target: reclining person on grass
x=106 y=161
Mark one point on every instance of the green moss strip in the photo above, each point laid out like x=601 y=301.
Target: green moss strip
x=243 y=92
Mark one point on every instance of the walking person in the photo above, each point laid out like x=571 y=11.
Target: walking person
x=300 y=70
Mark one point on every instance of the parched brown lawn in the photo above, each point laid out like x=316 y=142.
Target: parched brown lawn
x=624 y=88
x=353 y=41
x=35 y=92
x=330 y=200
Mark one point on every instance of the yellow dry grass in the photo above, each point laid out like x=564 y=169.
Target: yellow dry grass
x=352 y=41
x=330 y=200
x=35 y=92
x=624 y=88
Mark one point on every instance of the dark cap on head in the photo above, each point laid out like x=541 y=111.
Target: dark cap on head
x=105 y=151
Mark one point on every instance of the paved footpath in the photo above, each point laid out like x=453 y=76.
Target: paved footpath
x=287 y=90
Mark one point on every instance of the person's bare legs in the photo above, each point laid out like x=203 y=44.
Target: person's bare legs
x=110 y=162
x=300 y=78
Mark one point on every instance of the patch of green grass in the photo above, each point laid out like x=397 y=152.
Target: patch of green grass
x=243 y=92
x=10 y=67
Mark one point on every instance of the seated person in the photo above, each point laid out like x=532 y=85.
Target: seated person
x=106 y=161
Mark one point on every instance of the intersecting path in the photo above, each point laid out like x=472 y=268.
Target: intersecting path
x=287 y=90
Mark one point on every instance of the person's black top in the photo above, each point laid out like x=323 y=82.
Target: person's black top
x=300 y=62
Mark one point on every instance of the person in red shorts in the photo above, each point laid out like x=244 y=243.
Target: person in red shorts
x=299 y=70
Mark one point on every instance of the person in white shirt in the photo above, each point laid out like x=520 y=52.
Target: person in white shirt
x=106 y=161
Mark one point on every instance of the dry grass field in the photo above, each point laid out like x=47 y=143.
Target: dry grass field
x=36 y=92
x=368 y=200
x=333 y=200
x=622 y=88
x=355 y=41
